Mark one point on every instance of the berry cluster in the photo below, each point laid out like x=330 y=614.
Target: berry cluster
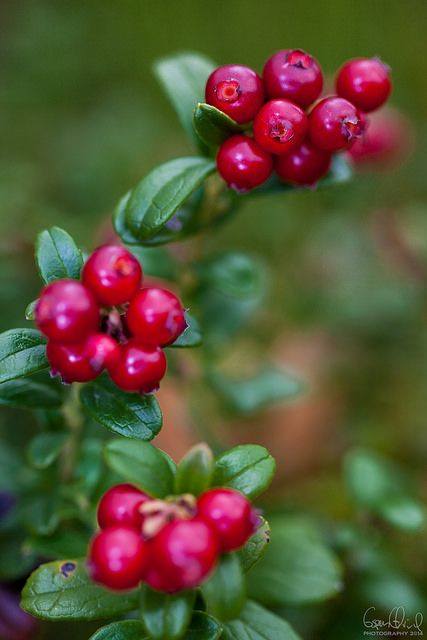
x=107 y=321
x=292 y=137
x=171 y=544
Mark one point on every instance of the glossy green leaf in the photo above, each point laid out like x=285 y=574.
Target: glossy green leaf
x=57 y=255
x=130 y=414
x=191 y=337
x=256 y=623
x=120 y=222
x=203 y=627
x=45 y=448
x=248 y=468
x=22 y=352
x=194 y=472
x=153 y=202
x=224 y=592
x=141 y=463
x=125 y=630
x=164 y=616
x=212 y=125
x=255 y=547
x=24 y=392
x=63 y=591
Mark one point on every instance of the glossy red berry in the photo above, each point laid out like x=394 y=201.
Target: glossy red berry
x=70 y=362
x=365 y=82
x=181 y=555
x=280 y=126
x=156 y=316
x=230 y=514
x=102 y=351
x=140 y=367
x=117 y=558
x=113 y=274
x=334 y=124
x=66 y=311
x=243 y=163
x=236 y=90
x=120 y=506
x=295 y=75
x=303 y=166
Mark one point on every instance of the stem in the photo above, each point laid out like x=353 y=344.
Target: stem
x=73 y=418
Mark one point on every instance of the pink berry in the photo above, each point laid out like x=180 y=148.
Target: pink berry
x=70 y=362
x=140 y=367
x=120 y=506
x=236 y=90
x=365 y=82
x=280 y=126
x=156 y=316
x=243 y=164
x=102 y=351
x=295 y=75
x=303 y=166
x=334 y=124
x=113 y=274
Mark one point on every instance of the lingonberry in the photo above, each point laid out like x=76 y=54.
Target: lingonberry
x=140 y=367
x=156 y=316
x=236 y=90
x=243 y=163
x=117 y=558
x=295 y=75
x=70 y=361
x=365 y=82
x=230 y=514
x=181 y=555
x=66 y=311
x=102 y=351
x=280 y=126
x=113 y=274
x=334 y=124
x=120 y=506
x=303 y=166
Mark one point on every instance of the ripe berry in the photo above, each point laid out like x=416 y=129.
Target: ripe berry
x=303 y=166
x=117 y=558
x=230 y=514
x=236 y=90
x=156 y=316
x=102 y=351
x=181 y=555
x=365 y=82
x=243 y=164
x=113 y=274
x=280 y=126
x=66 y=311
x=334 y=124
x=70 y=362
x=140 y=367
x=120 y=506
x=295 y=75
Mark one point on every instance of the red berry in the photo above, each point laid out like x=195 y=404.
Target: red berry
x=303 y=166
x=102 y=351
x=243 y=164
x=230 y=514
x=140 y=367
x=280 y=126
x=295 y=75
x=120 y=506
x=156 y=316
x=334 y=124
x=236 y=90
x=181 y=555
x=66 y=311
x=113 y=274
x=365 y=82
x=70 y=362
x=117 y=558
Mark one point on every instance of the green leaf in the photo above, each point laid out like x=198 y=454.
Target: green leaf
x=22 y=352
x=183 y=77
x=296 y=569
x=161 y=192
x=212 y=125
x=256 y=623
x=247 y=468
x=42 y=513
x=224 y=592
x=45 y=448
x=191 y=337
x=125 y=630
x=255 y=547
x=30 y=310
x=63 y=591
x=63 y=543
x=57 y=255
x=194 y=472
x=203 y=627
x=25 y=393
x=129 y=414
x=166 y=617
x=141 y=463
x=120 y=222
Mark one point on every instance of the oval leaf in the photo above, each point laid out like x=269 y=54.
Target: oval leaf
x=45 y=448
x=126 y=630
x=22 y=352
x=166 y=617
x=57 y=255
x=29 y=394
x=140 y=462
x=212 y=125
x=194 y=472
x=203 y=627
x=256 y=623
x=191 y=336
x=255 y=547
x=248 y=468
x=224 y=592
x=63 y=591
x=129 y=414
